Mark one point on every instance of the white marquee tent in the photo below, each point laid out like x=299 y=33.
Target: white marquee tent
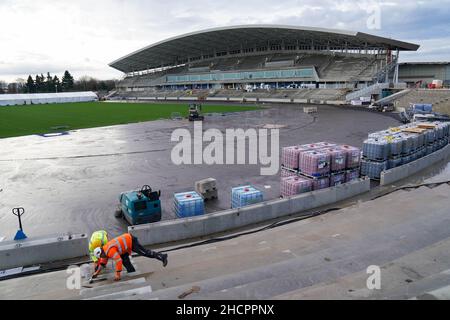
x=44 y=98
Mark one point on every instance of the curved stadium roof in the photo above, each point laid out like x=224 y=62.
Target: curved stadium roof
x=171 y=51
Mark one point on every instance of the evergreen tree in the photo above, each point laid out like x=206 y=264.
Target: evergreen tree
x=67 y=81
x=49 y=83
x=43 y=85
x=57 y=84
x=30 y=88
x=37 y=84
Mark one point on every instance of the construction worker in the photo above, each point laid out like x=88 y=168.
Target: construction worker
x=120 y=249
x=98 y=239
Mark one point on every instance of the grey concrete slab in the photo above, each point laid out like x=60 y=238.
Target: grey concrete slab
x=122 y=295
x=71 y=183
x=111 y=288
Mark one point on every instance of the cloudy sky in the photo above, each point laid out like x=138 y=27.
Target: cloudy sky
x=83 y=36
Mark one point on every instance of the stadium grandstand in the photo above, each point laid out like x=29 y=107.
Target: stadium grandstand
x=260 y=61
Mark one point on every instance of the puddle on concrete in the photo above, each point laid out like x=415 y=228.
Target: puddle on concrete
x=440 y=173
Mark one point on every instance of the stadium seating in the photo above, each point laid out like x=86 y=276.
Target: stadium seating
x=337 y=70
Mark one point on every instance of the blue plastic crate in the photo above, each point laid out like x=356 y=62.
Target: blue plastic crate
x=245 y=196
x=188 y=204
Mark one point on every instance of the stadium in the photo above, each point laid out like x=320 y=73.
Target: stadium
x=361 y=181
x=261 y=61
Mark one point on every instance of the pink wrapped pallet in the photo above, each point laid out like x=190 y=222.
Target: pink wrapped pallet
x=292 y=186
x=353 y=156
x=326 y=145
x=312 y=146
x=315 y=163
x=338 y=159
x=319 y=184
x=290 y=156
x=286 y=173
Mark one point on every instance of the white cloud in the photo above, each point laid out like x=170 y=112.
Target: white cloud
x=84 y=36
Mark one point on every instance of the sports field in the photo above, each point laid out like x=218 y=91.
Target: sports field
x=42 y=119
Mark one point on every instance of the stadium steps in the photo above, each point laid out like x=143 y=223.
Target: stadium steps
x=106 y=289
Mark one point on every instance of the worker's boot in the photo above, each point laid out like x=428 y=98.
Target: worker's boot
x=163 y=258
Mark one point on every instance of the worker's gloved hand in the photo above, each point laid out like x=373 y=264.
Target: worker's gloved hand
x=117 y=276
x=96 y=266
x=97 y=271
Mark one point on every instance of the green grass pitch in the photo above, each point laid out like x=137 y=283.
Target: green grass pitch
x=42 y=119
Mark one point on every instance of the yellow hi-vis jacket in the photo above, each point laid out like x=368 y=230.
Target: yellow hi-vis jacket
x=98 y=239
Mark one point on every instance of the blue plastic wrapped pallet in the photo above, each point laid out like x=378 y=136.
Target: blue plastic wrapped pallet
x=447 y=129
x=394 y=163
x=430 y=136
x=423 y=108
x=376 y=149
x=407 y=159
x=245 y=196
x=188 y=204
x=373 y=169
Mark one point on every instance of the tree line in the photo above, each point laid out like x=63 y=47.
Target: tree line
x=53 y=84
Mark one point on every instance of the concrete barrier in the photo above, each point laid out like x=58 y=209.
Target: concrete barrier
x=183 y=229
x=275 y=100
x=216 y=99
x=335 y=102
x=14 y=254
x=236 y=99
x=147 y=98
x=390 y=176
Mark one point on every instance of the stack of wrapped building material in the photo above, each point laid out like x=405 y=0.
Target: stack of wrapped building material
x=292 y=186
x=315 y=163
x=245 y=196
x=188 y=204
x=324 y=164
x=395 y=147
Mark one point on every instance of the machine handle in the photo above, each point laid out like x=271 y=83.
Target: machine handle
x=18 y=212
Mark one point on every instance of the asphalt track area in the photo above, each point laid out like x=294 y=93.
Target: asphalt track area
x=71 y=183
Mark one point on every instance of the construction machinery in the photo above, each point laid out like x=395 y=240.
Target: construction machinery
x=195 y=112
x=140 y=207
